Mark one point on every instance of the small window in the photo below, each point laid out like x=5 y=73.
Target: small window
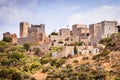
x=71 y=39
x=54 y=40
x=87 y=34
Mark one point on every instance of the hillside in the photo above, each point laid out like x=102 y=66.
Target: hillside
x=83 y=67
x=103 y=66
x=17 y=64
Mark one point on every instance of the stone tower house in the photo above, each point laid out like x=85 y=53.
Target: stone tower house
x=24 y=29
x=102 y=29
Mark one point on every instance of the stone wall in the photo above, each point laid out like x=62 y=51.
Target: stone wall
x=69 y=50
x=7 y=34
x=80 y=30
x=40 y=28
x=13 y=36
x=64 y=33
x=108 y=28
x=34 y=34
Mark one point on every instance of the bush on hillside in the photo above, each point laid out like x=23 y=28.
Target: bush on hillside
x=26 y=46
x=7 y=39
x=54 y=33
x=75 y=61
x=75 y=50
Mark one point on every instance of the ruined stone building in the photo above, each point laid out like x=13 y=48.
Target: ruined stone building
x=7 y=34
x=64 y=37
x=102 y=30
x=82 y=31
x=13 y=36
x=79 y=33
x=59 y=40
x=34 y=34
x=64 y=33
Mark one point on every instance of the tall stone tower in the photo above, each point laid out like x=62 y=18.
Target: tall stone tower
x=24 y=29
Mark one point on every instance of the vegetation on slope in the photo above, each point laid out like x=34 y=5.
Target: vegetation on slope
x=15 y=64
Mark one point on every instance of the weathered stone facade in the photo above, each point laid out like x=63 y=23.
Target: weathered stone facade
x=108 y=28
x=102 y=30
x=64 y=33
x=7 y=34
x=13 y=36
x=80 y=30
x=69 y=50
x=64 y=37
x=40 y=28
x=35 y=34
x=24 y=29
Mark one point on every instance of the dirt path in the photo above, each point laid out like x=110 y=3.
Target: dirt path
x=39 y=76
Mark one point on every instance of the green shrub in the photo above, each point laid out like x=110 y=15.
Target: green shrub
x=37 y=51
x=33 y=78
x=105 y=41
x=96 y=56
x=85 y=58
x=69 y=56
x=15 y=55
x=2 y=49
x=7 y=39
x=45 y=69
x=75 y=61
x=54 y=33
x=26 y=46
x=60 y=42
x=106 y=52
x=16 y=76
x=117 y=78
x=57 y=62
x=45 y=60
x=26 y=68
x=4 y=73
x=110 y=44
x=75 y=50
x=78 y=43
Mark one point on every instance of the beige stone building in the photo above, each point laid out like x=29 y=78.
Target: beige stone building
x=69 y=50
x=82 y=31
x=75 y=28
x=24 y=29
x=64 y=33
x=108 y=28
x=64 y=37
x=102 y=30
x=34 y=34
x=7 y=34
x=13 y=36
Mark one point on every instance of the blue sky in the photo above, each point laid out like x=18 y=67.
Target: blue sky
x=55 y=14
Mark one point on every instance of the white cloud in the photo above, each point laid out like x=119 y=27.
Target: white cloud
x=95 y=15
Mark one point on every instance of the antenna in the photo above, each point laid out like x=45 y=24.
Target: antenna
x=67 y=26
x=54 y=30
